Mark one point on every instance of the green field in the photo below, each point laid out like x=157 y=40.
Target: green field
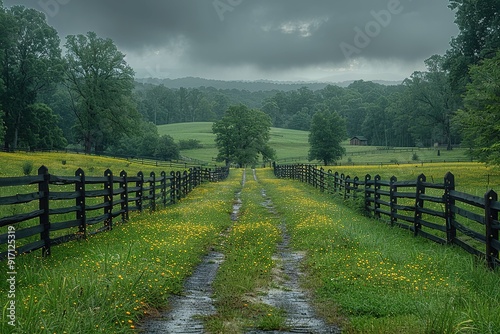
x=287 y=143
x=292 y=146
x=362 y=275
x=65 y=164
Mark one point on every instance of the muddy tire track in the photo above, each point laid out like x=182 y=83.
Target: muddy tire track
x=187 y=311
x=286 y=292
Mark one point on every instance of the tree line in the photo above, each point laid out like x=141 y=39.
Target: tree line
x=88 y=96
x=84 y=97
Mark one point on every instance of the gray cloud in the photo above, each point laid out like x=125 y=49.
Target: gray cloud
x=268 y=35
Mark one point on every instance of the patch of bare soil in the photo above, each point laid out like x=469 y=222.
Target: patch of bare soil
x=187 y=310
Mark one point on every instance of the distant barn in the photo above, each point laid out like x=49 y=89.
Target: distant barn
x=359 y=141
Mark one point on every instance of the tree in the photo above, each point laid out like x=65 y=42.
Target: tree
x=479 y=38
x=167 y=148
x=43 y=132
x=30 y=62
x=479 y=121
x=100 y=84
x=242 y=135
x=328 y=130
x=433 y=100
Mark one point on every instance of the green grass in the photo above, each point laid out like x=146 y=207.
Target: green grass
x=473 y=178
x=292 y=146
x=287 y=143
x=65 y=164
x=60 y=164
x=364 y=275
x=372 y=278
x=107 y=283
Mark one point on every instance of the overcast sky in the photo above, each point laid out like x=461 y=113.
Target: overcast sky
x=286 y=40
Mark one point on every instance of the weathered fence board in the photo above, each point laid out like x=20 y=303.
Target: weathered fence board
x=443 y=218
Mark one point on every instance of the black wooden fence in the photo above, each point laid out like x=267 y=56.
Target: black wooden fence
x=58 y=209
x=432 y=210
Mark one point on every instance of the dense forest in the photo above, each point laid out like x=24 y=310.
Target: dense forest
x=88 y=97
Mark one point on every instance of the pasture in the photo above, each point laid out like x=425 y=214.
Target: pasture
x=65 y=164
x=113 y=281
x=363 y=275
x=292 y=146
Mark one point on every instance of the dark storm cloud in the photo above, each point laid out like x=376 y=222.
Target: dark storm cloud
x=268 y=34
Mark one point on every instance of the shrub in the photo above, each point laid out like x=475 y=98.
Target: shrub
x=415 y=157
x=27 y=167
x=189 y=144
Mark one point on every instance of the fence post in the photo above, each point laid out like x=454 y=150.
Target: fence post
x=138 y=194
x=394 y=200
x=377 y=196
x=347 y=190
x=449 y=185
x=356 y=187
x=124 y=196
x=491 y=218
x=164 y=188
x=178 y=181
x=322 y=180
x=43 y=204
x=108 y=198
x=368 y=178
x=152 y=190
x=80 y=203
x=419 y=203
x=173 y=190
x=190 y=180
x=185 y=179
x=336 y=182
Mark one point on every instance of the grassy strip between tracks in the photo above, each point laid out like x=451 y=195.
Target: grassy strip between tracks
x=247 y=269
x=371 y=278
x=109 y=282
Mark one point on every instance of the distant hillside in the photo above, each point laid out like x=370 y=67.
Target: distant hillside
x=251 y=86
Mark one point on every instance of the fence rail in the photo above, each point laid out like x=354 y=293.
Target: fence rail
x=58 y=209
x=432 y=210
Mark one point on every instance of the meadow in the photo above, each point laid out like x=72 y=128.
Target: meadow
x=292 y=146
x=65 y=164
x=364 y=275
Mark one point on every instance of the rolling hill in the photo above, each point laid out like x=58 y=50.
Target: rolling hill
x=289 y=144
